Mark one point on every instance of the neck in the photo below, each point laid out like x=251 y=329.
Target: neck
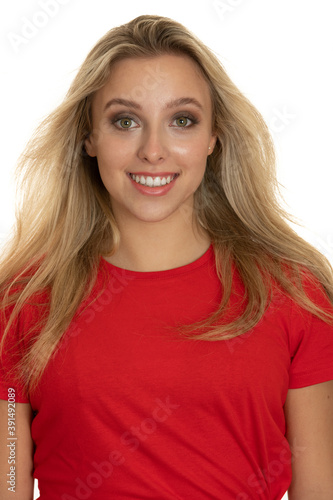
x=158 y=246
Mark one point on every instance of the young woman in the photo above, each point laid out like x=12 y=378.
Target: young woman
x=165 y=334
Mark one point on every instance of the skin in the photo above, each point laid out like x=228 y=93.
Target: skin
x=309 y=418
x=157 y=232
x=24 y=482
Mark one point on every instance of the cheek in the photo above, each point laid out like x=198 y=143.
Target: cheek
x=189 y=155
x=112 y=159
x=193 y=156
x=192 y=144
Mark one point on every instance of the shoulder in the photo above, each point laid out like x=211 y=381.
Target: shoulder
x=311 y=336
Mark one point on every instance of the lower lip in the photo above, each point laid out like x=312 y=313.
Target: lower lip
x=153 y=191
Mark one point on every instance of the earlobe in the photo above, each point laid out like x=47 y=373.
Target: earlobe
x=212 y=143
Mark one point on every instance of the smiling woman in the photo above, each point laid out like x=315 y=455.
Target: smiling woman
x=154 y=292
x=153 y=147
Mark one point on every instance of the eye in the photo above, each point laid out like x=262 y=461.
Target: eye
x=184 y=121
x=124 y=122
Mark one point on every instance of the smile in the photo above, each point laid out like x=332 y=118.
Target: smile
x=153 y=181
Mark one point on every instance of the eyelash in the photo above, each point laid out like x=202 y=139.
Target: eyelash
x=117 y=118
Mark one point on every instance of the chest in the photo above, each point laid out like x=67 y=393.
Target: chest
x=124 y=351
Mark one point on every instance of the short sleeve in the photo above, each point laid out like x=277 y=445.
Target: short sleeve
x=311 y=344
x=11 y=355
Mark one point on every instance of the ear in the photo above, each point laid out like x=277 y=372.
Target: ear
x=212 y=143
x=90 y=146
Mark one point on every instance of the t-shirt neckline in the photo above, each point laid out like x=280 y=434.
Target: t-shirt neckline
x=162 y=274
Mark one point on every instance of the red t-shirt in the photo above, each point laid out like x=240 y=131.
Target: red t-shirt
x=127 y=410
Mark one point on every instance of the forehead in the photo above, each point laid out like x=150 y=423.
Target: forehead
x=158 y=78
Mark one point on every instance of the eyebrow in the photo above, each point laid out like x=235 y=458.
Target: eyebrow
x=172 y=104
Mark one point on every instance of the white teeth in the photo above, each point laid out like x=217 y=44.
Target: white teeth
x=152 y=182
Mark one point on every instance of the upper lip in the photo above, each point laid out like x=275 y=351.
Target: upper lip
x=154 y=174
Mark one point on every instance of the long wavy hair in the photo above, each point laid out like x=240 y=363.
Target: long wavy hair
x=64 y=220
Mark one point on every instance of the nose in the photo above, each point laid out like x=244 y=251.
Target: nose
x=153 y=148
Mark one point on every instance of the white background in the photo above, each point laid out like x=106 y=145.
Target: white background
x=278 y=52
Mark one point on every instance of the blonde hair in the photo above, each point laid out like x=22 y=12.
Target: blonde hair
x=65 y=222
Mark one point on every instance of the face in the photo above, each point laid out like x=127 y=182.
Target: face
x=152 y=133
